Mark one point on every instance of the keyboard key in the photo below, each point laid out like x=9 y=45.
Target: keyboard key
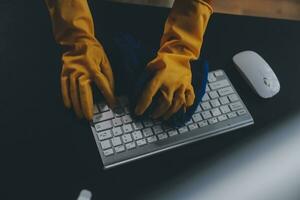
x=126 y=119
x=95 y=109
x=108 y=152
x=137 y=135
x=219 y=73
x=105 y=144
x=166 y=128
x=206 y=114
x=198 y=109
x=103 y=126
x=119 y=149
x=222 y=118
x=211 y=77
x=126 y=110
x=173 y=133
x=219 y=84
x=241 y=112
x=117 y=131
x=119 y=112
x=207 y=89
x=189 y=122
x=205 y=106
x=137 y=125
x=104 y=135
x=215 y=103
x=224 y=100
x=233 y=97
x=157 y=122
x=231 y=115
x=225 y=91
x=147 y=123
x=103 y=116
x=141 y=142
x=117 y=122
x=162 y=136
x=197 y=117
x=193 y=126
x=203 y=123
x=205 y=97
x=103 y=107
x=213 y=120
x=225 y=109
x=127 y=128
x=236 y=106
x=116 y=141
x=130 y=145
x=127 y=138
x=152 y=139
x=183 y=129
x=157 y=129
x=216 y=112
x=213 y=94
x=147 y=132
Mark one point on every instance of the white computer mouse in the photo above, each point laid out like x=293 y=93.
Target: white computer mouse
x=257 y=73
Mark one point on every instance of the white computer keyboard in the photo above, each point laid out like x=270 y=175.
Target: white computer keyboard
x=121 y=139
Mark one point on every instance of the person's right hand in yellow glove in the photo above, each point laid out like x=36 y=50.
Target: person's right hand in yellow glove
x=84 y=60
x=181 y=43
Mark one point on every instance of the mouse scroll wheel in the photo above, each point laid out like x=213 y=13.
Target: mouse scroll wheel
x=271 y=83
x=268 y=82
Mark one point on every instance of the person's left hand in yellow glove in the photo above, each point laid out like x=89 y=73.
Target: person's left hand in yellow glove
x=84 y=59
x=181 y=43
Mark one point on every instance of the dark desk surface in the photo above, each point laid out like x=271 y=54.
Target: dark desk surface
x=46 y=153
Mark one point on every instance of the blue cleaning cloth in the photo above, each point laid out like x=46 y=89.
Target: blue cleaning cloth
x=129 y=58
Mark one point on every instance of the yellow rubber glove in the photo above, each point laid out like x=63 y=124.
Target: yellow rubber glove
x=84 y=60
x=181 y=42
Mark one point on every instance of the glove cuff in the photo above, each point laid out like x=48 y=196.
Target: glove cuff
x=206 y=4
x=185 y=28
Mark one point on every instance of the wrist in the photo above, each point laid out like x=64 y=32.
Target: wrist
x=79 y=45
x=166 y=60
x=208 y=1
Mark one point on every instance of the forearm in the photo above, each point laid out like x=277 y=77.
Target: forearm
x=185 y=27
x=71 y=20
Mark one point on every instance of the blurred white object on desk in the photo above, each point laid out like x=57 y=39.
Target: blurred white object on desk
x=85 y=195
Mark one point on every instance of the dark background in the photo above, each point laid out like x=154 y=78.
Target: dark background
x=47 y=153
